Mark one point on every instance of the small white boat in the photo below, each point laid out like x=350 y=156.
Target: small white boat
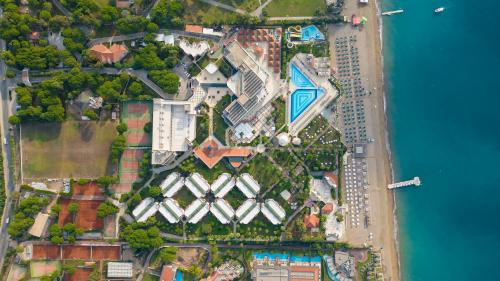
x=438 y=10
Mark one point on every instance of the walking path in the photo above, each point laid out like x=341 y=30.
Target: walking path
x=289 y=18
x=258 y=11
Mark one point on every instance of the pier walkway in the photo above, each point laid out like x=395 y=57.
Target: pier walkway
x=415 y=181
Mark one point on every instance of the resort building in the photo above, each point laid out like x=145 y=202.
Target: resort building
x=171 y=210
x=222 y=211
x=247 y=211
x=147 y=208
x=197 y=185
x=332 y=179
x=169 y=273
x=253 y=86
x=273 y=211
x=276 y=267
x=166 y=39
x=174 y=128
x=222 y=185
x=310 y=93
x=248 y=185
x=211 y=151
x=195 y=49
x=311 y=221
x=265 y=42
x=120 y=270
x=172 y=184
x=196 y=210
x=110 y=55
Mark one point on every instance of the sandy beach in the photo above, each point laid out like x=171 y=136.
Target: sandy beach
x=379 y=172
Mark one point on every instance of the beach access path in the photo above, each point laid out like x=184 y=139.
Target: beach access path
x=381 y=200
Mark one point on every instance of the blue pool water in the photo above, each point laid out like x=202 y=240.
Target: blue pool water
x=305 y=94
x=299 y=79
x=305 y=259
x=178 y=275
x=311 y=32
x=261 y=256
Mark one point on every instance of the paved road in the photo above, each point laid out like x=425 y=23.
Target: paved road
x=8 y=177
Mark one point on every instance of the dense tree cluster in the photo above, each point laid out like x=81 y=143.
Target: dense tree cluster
x=24 y=216
x=105 y=209
x=117 y=147
x=168 y=254
x=39 y=57
x=168 y=13
x=167 y=80
x=142 y=236
x=69 y=232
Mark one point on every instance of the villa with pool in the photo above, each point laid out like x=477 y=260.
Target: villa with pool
x=309 y=91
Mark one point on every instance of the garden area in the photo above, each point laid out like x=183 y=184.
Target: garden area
x=263 y=171
x=295 y=8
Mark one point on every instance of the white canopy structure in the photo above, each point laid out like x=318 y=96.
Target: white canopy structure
x=273 y=211
x=248 y=185
x=172 y=184
x=171 y=210
x=247 y=211
x=222 y=185
x=147 y=208
x=197 y=185
x=196 y=210
x=222 y=211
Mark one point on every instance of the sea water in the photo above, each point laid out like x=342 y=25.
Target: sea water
x=442 y=77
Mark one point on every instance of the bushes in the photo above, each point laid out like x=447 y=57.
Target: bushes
x=105 y=209
x=167 y=80
x=26 y=211
x=117 y=147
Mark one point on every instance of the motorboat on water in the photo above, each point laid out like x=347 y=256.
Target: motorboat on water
x=438 y=10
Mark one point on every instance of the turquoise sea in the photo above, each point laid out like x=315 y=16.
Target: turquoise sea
x=442 y=76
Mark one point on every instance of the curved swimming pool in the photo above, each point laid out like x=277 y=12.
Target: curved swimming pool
x=311 y=32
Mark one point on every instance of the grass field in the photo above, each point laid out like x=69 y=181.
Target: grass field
x=294 y=8
x=201 y=13
x=72 y=149
x=43 y=268
x=247 y=5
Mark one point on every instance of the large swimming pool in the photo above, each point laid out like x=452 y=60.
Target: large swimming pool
x=178 y=275
x=311 y=32
x=305 y=94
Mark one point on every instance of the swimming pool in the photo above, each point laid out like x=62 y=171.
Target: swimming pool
x=178 y=275
x=305 y=259
x=305 y=94
x=299 y=79
x=270 y=256
x=311 y=32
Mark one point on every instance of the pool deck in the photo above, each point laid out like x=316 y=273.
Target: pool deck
x=317 y=106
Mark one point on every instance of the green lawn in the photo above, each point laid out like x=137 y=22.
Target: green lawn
x=263 y=171
x=294 y=8
x=197 y=12
x=247 y=5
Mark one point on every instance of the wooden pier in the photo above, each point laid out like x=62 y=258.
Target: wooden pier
x=415 y=181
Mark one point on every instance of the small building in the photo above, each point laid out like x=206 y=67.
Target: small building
x=166 y=39
x=222 y=185
x=311 y=221
x=172 y=184
x=222 y=211
x=40 y=225
x=197 y=185
x=273 y=211
x=196 y=210
x=332 y=179
x=120 y=270
x=193 y=28
x=247 y=211
x=110 y=55
x=285 y=194
x=171 y=210
x=195 y=49
x=248 y=185
x=327 y=209
x=211 y=151
x=147 y=208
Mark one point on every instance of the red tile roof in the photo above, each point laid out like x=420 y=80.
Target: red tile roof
x=311 y=221
x=328 y=208
x=305 y=269
x=109 y=55
x=332 y=178
x=167 y=274
x=193 y=28
x=211 y=152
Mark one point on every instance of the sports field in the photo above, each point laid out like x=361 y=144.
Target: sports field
x=43 y=268
x=81 y=252
x=72 y=149
x=128 y=170
x=79 y=274
x=294 y=8
x=89 y=189
x=86 y=217
x=136 y=114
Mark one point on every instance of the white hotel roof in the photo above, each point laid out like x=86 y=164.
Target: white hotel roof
x=174 y=127
x=273 y=211
x=171 y=184
x=197 y=185
x=151 y=211
x=222 y=211
x=171 y=210
x=247 y=211
x=222 y=185
x=196 y=210
x=248 y=185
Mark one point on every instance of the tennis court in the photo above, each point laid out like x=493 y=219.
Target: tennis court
x=43 y=268
x=128 y=170
x=136 y=114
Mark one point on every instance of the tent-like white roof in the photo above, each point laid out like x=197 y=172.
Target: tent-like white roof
x=171 y=210
x=222 y=185
x=172 y=184
x=247 y=211
x=273 y=211
x=248 y=185
x=197 y=185
x=196 y=210
x=222 y=211
x=143 y=207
